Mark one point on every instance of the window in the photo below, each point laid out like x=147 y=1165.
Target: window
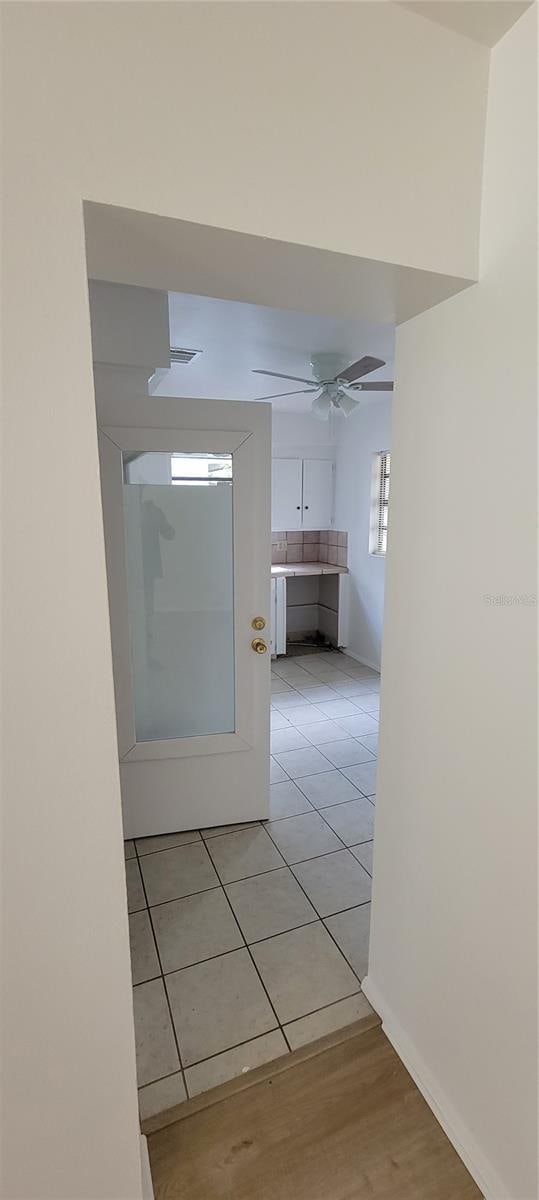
x=190 y=469
x=379 y=502
x=180 y=468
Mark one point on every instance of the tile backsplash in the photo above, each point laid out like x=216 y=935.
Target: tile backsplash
x=319 y=545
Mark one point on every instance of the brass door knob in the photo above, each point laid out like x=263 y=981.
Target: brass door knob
x=258 y=623
x=259 y=646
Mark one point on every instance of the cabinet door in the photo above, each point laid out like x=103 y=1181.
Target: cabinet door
x=286 y=494
x=317 y=493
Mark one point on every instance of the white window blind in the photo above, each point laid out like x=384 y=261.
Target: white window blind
x=380 y=502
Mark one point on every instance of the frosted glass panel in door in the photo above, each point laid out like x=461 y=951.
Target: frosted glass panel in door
x=179 y=543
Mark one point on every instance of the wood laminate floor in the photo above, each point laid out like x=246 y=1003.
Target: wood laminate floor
x=347 y=1124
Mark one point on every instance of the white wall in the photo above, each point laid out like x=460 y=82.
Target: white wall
x=130 y=325
x=302 y=436
x=454 y=939
x=267 y=141
x=360 y=436
x=87 y=118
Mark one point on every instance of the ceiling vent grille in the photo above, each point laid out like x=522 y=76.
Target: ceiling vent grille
x=179 y=355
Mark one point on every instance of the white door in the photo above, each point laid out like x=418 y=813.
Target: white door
x=286 y=502
x=186 y=504
x=317 y=493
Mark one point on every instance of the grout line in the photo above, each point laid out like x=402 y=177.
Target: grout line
x=163 y=849
x=269 y=937
x=236 y=1046
x=368 y=682
x=270 y=870
x=317 y=919
x=174 y=1034
x=311 y=1013
x=187 y=896
x=258 y=1036
x=349 y=995
x=325 y=1006
x=160 y=1079
x=199 y=961
x=251 y=956
x=325 y=807
x=312 y=857
x=369 y=873
x=200 y=841
x=141 y=982
x=332 y=767
x=321 y=812
x=319 y=775
x=332 y=914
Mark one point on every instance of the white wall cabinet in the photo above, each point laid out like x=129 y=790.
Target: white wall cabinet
x=317 y=493
x=302 y=493
x=286 y=493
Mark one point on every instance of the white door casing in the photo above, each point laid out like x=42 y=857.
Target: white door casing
x=213 y=778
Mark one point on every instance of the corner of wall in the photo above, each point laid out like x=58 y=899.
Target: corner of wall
x=460 y=1136
x=145 y=1170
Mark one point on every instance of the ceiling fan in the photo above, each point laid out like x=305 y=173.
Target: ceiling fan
x=333 y=386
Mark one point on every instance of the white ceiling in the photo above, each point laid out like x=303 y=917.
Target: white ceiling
x=237 y=337
x=485 y=21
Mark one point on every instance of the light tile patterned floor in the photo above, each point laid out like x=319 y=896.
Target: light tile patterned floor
x=248 y=941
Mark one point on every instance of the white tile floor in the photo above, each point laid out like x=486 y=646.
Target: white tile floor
x=248 y=941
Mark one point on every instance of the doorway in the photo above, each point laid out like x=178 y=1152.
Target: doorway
x=248 y=939
x=220 y=913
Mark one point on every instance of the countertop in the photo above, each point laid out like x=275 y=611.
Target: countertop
x=306 y=568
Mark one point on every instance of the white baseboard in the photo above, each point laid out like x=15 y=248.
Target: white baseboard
x=459 y=1135
x=146 y=1174
x=364 y=661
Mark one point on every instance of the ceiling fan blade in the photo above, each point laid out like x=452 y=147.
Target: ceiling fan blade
x=347 y=403
x=381 y=385
x=361 y=367
x=277 y=375
x=276 y=395
x=321 y=406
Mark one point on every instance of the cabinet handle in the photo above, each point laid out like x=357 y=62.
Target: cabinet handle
x=298 y=506
x=306 y=507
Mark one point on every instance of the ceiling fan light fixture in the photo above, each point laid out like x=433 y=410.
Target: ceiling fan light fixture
x=321 y=406
x=347 y=403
